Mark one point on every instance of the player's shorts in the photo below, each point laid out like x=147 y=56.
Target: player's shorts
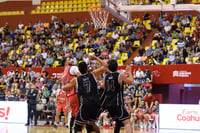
x=118 y=112
x=62 y=107
x=74 y=104
x=87 y=113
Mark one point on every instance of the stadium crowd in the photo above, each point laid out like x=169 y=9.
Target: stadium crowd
x=175 y=42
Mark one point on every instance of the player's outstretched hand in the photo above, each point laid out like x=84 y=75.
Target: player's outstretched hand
x=128 y=69
x=92 y=57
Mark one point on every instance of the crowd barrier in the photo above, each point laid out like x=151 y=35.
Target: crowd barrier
x=179 y=116
x=13 y=112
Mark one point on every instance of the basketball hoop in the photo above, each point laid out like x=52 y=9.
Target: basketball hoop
x=99 y=17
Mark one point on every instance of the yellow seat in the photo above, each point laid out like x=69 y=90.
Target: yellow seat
x=75 y=46
x=147 y=47
x=24 y=64
x=148 y=26
x=187 y=30
x=10 y=53
x=124 y=56
x=174 y=41
x=165 y=61
x=120 y=62
x=195 y=59
x=193 y=28
x=56 y=63
x=186 y=59
x=37 y=46
x=153 y=44
x=194 y=1
x=90 y=49
x=33 y=56
x=71 y=45
x=136 y=43
x=86 y=49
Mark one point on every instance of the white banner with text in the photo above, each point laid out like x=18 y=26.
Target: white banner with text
x=180 y=116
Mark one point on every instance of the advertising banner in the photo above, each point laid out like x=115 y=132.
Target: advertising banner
x=179 y=116
x=162 y=74
x=13 y=112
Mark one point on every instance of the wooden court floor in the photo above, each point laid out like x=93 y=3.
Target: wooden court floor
x=21 y=128
x=42 y=129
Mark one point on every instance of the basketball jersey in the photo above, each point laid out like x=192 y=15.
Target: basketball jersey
x=87 y=89
x=113 y=91
x=62 y=97
x=66 y=78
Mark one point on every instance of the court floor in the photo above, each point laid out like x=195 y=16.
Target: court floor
x=21 y=128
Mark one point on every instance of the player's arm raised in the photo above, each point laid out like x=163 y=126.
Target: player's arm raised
x=129 y=80
x=92 y=57
x=71 y=84
x=100 y=70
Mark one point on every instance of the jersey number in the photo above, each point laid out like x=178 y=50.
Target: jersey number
x=111 y=85
x=87 y=86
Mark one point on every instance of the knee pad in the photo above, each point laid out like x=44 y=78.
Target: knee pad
x=78 y=128
x=89 y=128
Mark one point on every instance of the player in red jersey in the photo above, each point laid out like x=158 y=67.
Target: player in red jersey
x=69 y=73
x=62 y=105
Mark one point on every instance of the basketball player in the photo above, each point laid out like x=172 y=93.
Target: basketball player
x=69 y=73
x=62 y=105
x=89 y=98
x=113 y=102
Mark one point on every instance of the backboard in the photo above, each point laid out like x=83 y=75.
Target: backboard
x=112 y=7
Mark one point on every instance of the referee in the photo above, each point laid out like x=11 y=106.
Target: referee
x=32 y=94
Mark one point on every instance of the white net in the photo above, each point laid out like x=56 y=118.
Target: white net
x=99 y=17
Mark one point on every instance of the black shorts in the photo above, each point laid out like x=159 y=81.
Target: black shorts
x=118 y=112
x=87 y=113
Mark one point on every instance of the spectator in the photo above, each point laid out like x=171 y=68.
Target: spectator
x=139 y=73
x=2 y=95
x=148 y=74
x=9 y=97
x=147 y=85
x=44 y=74
x=46 y=93
x=137 y=60
x=51 y=110
x=31 y=73
x=190 y=61
x=182 y=61
x=39 y=108
x=149 y=100
x=49 y=60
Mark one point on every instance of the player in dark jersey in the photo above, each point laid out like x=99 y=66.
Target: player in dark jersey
x=86 y=85
x=113 y=101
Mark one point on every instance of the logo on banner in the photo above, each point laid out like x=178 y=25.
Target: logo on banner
x=187 y=115
x=4 y=112
x=156 y=73
x=183 y=74
x=57 y=75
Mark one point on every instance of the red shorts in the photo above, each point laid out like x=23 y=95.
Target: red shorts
x=74 y=104
x=62 y=107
